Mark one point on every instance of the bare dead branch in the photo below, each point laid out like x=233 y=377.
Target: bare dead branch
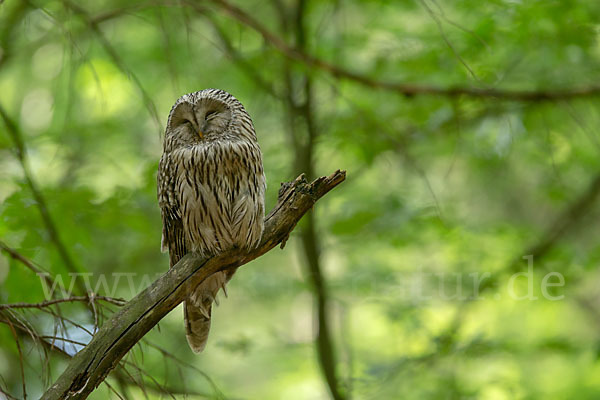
x=48 y=343
x=47 y=303
x=123 y=330
x=143 y=374
x=113 y=390
x=186 y=364
x=22 y=369
x=62 y=339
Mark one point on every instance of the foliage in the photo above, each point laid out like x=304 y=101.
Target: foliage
x=441 y=189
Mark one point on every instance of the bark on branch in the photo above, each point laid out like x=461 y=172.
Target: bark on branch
x=123 y=330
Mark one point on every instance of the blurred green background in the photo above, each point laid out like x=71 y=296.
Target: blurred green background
x=442 y=190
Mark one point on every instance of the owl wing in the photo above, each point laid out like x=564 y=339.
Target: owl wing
x=173 y=238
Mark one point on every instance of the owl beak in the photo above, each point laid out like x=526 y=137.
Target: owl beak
x=202 y=129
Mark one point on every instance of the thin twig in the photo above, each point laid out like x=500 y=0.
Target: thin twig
x=47 y=344
x=14 y=254
x=118 y=61
x=62 y=339
x=446 y=40
x=254 y=75
x=18 y=343
x=146 y=374
x=167 y=354
x=141 y=385
x=47 y=303
x=113 y=390
x=5 y=393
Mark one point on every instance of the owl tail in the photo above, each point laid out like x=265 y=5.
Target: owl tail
x=197 y=309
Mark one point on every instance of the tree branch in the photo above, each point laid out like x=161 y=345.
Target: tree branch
x=118 y=335
x=575 y=211
x=48 y=344
x=562 y=224
x=230 y=51
x=15 y=255
x=406 y=89
x=22 y=370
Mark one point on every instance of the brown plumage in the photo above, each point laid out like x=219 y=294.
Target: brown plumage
x=211 y=189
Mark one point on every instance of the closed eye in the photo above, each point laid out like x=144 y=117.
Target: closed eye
x=210 y=115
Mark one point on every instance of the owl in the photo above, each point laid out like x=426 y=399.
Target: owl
x=211 y=190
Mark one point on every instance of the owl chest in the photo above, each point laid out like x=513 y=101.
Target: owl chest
x=216 y=200
x=211 y=182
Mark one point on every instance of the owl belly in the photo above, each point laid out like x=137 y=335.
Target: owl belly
x=221 y=215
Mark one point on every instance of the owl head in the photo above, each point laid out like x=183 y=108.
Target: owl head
x=206 y=116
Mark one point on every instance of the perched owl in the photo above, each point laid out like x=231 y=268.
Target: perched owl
x=211 y=189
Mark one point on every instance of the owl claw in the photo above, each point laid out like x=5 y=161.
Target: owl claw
x=216 y=300
x=204 y=312
x=224 y=290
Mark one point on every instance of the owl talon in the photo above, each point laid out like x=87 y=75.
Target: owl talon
x=216 y=300
x=204 y=312
x=224 y=290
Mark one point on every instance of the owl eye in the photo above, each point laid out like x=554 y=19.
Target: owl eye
x=210 y=115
